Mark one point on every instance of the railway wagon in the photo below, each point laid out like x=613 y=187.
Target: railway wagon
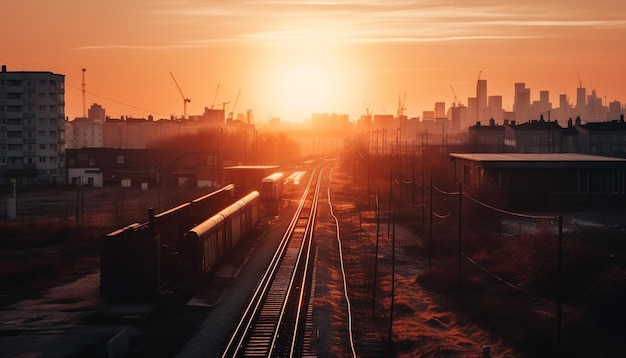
x=208 y=242
x=272 y=186
x=139 y=260
x=172 y=224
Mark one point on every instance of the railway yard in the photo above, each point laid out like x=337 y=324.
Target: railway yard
x=339 y=313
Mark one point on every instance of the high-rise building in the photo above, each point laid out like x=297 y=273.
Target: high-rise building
x=32 y=127
x=543 y=106
x=521 y=102
x=481 y=100
x=96 y=113
x=581 y=101
x=495 y=108
x=440 y=109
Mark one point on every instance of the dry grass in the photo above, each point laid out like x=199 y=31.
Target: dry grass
x=52 y=242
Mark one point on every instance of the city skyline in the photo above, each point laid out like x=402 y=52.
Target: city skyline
x=292 y=59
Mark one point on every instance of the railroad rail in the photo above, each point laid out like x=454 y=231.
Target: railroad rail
x=275 y=320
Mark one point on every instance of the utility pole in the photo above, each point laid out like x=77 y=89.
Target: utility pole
x=84 y=92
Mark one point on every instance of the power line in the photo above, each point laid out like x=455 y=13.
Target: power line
x=119 y=102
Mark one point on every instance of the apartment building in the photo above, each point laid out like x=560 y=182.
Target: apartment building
x=32 y=127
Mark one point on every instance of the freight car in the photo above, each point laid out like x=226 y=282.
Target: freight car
x=272 y=186
x=208 y=242
x=140 y=260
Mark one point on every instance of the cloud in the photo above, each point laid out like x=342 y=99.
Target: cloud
x=342 y=21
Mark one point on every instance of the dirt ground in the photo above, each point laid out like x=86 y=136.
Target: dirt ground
x=421 y=325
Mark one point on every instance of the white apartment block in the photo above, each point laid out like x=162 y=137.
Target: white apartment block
x=32 y=127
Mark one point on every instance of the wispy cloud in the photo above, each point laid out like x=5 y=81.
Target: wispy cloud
x=345 y=21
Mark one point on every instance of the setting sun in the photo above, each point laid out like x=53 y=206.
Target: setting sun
x=290 y=59
x=306 y=88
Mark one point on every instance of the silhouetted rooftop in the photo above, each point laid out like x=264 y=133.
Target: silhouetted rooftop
x=570 y=160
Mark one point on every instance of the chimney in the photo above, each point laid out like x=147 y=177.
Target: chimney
x=513 y=123
x=577 y=120
x=492 y=122
x=477 y=123
x=570 y=123
x=621 y=118
x=506 y=122
x=4 y=68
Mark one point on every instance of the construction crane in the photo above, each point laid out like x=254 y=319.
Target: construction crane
x=580 y=83
x=215 y=96
x=367 y=110
x=401 y=108
x=185 y=99
x=230 y=114
x=456 y=100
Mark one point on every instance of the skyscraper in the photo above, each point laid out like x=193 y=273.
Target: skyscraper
x=521 y=102
x=32 y=127
x=481 y=100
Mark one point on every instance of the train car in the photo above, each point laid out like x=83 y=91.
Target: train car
x=208 y=242
x=272 y=186
x=138 y=261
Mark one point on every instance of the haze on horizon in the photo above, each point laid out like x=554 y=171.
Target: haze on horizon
x=292 y=58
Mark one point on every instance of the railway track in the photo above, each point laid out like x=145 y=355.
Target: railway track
x=278 y=316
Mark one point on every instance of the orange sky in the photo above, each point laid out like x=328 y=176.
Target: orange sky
x=291 y=58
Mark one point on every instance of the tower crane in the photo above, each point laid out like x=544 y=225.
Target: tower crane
x=230 y=114
x=215 y=96
x=401 y=108
x=456 y=100
x=580 y=83
x=185 y=99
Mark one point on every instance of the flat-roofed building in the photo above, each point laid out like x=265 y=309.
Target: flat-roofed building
x=544 y=182
x=32 y=127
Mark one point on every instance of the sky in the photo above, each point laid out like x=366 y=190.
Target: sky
x=288 y=59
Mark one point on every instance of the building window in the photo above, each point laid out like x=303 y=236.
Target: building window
x=42 y=146
x=42 y=159
x=120 y=159
x=92 y=161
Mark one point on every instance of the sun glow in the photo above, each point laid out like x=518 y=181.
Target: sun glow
x=296 y=83
x=306 y=88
